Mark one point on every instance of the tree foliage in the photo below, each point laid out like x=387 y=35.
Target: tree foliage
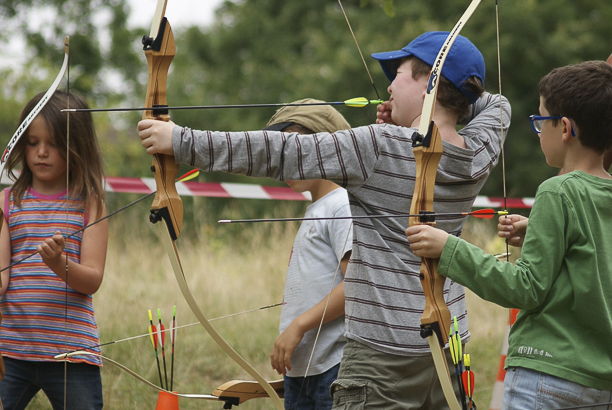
x=282 y=50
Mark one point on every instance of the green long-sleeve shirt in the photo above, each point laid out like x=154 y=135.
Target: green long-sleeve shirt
x=562 y=284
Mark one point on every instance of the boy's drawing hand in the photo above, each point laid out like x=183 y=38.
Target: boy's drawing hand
x=156 y=136
x=513 y=227
x=51 y=249
x=426 y=241
x=383 y=113
x=283 y=348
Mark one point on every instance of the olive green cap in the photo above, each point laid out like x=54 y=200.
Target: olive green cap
x=318 y=118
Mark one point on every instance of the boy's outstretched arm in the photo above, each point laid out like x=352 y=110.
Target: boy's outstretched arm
x=156 y=136
x=513 y=227
x=426 y=241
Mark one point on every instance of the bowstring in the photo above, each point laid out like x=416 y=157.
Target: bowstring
x=359 y=49
x=322 y=322
x=148 y=334
x=501 y=125
x=349 y=230
x=67 y=223
x=501 y=119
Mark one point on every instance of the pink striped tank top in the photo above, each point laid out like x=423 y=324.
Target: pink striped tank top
x=36 y=324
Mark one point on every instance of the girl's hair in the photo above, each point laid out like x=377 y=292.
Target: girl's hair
x=86 y=173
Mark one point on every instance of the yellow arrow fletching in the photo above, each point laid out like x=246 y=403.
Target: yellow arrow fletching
x=458 y=336
x=452 y=344
x=151 y=335
x=357 y=102
x=361 y=102
x=190 y=175
x=151 y=329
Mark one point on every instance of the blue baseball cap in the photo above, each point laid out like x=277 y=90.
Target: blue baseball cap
x=462 y=62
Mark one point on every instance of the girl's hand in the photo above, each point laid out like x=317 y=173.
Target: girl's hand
x=383 y=113
x=426 y=241
x=513 y=228
x=51 y=250
x=156 y=136
x=285 y=344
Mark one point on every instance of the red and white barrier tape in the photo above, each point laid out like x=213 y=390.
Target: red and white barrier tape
x=253 y=191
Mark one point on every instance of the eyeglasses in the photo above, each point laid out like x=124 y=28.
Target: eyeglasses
x=537 y=120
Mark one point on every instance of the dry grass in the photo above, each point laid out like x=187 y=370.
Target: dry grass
x=227 y=278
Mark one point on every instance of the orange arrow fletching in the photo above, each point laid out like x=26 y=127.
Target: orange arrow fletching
x=152 y=332
x=483 y=213
x=468 y=382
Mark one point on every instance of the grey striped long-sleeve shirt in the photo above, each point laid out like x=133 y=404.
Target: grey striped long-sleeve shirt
x=384 y=297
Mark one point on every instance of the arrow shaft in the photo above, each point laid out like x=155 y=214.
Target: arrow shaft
x=478 y=214
x=210 y=107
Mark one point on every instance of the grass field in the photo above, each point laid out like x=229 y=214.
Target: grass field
x=227 y=276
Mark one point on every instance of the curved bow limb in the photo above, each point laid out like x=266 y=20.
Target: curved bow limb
x=36 y=110
x=427 y=148
x=160 y=49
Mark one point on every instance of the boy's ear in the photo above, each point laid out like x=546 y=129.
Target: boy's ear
x=568 y=129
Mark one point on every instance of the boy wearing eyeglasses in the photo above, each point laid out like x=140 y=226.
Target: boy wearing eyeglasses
x=559 y=347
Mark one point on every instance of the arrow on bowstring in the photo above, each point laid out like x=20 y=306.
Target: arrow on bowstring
x=357 y=102
x=186 y=177
x=481 y=213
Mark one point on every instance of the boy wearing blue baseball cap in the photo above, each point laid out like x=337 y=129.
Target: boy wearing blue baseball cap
x=386 y=364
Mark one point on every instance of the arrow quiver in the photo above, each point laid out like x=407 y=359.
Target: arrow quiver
x=167 y=204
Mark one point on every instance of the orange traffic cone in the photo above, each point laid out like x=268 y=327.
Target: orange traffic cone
x=498 y=389
x=167 y=401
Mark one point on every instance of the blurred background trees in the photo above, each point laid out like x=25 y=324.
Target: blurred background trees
x=260 y=51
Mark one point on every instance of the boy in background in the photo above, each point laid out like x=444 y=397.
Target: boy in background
x=320 y=249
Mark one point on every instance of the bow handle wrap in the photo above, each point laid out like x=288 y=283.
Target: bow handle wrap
x=159 y=51
x=427 y=151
